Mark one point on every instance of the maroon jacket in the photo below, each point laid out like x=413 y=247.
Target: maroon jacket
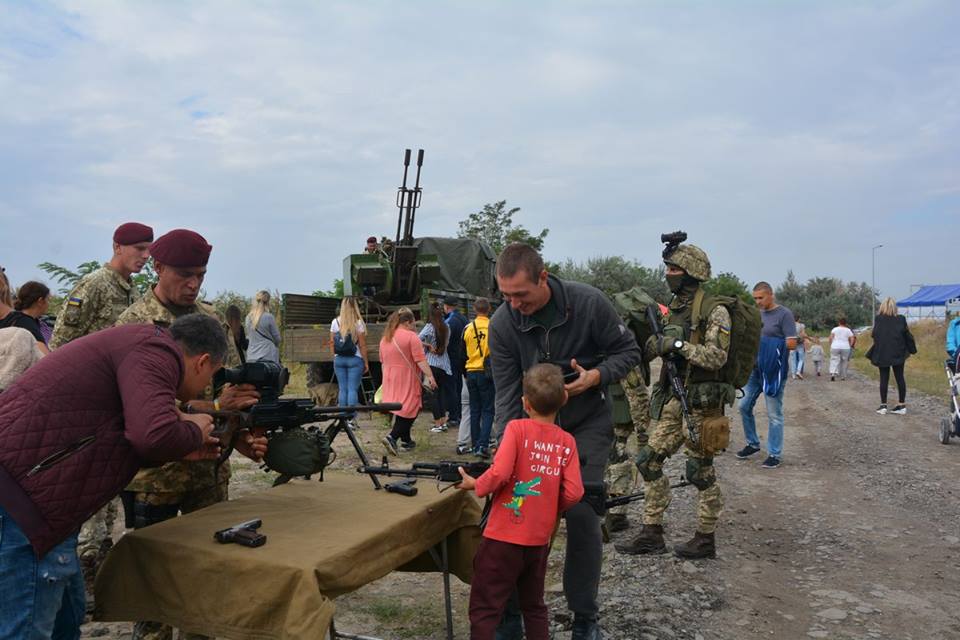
x=77 y=425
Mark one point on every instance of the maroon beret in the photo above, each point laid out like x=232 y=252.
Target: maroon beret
x=132 y=233
x=181 y=248
x=371 y=239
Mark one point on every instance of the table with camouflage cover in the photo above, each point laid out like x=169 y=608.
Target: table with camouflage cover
x=324 y=539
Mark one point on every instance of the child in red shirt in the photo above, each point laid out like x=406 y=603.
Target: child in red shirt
x=534 y=477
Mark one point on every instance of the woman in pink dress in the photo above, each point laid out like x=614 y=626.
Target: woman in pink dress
x=403 y=361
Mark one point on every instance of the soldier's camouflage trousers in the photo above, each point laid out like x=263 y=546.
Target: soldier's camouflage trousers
x=150 y=508
x=97 y=529
x=621 y=475
x=669 y=434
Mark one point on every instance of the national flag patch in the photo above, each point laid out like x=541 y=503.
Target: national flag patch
x=74 y=302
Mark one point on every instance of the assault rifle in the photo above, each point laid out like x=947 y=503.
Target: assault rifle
x=670 y=365
x=597 y=496
x=443 y=471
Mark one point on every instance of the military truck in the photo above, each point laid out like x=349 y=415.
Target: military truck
x=402 y=272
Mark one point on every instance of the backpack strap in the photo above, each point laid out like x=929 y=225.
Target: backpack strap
x=697 y=319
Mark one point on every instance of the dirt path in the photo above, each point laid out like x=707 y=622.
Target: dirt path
x=857 y=535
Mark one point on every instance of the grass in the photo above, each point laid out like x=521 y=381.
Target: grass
x=923 y=371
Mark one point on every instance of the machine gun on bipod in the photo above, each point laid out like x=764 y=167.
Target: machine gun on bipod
x=293 y=449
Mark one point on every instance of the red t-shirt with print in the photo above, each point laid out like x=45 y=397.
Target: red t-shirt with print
x=534 y=477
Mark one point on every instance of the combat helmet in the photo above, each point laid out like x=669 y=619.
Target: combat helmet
x=691 y=259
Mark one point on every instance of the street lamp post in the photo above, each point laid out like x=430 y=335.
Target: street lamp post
x=873 y=275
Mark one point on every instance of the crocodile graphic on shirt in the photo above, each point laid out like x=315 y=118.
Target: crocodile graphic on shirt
x=521 y=490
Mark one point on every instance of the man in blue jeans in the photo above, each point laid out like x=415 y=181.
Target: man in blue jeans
x=769 y=377
x=479 y=384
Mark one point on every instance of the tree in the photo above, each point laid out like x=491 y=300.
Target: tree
x=613 y=274
x=494 y=225
x=66 y=277
x=822 y=301
x=335 y=292
x=224 y=299
x=728 y=284
x=146 y=278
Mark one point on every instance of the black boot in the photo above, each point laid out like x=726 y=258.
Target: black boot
x=701 y=545
x=585 y=629
x=617 y=522
x=649 y=540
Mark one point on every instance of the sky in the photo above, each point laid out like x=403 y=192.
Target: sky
x=779 y=135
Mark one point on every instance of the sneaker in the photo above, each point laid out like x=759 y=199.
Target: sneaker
x=818 y=374
x=440 y=428
x=833 y=378
x=464 y=449
x=408 y=446
x=882 y=410
x=390 y=444
x=453 y=423
x=483 y=454
x=900 y=410
x=747 y=451
x=772 y=462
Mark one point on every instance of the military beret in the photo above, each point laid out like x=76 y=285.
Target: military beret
x=372 y=239
x=451 y=301
x=132 y=233
x=181 y=248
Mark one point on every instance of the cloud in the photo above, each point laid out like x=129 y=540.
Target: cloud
x=780 y=135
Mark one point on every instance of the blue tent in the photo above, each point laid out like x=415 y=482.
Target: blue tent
x=936 y=295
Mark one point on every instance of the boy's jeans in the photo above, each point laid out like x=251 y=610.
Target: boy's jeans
x=481 y=409
x=41 y=598
x=751 y=392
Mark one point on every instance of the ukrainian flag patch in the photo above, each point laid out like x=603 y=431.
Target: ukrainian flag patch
x=74 y=302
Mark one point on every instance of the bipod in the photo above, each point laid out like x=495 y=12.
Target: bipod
x=343 y=424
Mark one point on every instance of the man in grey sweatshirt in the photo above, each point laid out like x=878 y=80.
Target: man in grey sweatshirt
x=574 y=325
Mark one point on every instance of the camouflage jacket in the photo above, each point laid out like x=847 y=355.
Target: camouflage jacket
x=177 y=477
x=94 y=304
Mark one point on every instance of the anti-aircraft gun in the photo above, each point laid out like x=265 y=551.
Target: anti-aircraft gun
x=403 y=271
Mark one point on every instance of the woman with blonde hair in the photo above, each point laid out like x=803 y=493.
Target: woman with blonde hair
x=348 y=344
x=403 y=361
x=892 y=345
x=262 y=331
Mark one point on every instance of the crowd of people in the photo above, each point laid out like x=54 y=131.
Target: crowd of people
x=503 y=380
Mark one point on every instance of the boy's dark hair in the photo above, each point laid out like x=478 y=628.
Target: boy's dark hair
x=520 y=257
x=482 y=305
x=199 y=333
x=543 y=388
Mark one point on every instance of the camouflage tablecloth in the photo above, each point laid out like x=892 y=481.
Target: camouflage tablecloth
x=323 y=540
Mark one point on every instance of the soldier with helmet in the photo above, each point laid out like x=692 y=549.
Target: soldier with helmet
x=696 y=336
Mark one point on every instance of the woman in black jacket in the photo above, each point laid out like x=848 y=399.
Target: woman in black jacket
x=892 y=345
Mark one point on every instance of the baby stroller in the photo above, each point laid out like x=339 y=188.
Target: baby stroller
x=950 y=427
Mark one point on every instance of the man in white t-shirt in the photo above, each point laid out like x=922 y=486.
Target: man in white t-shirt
x=842 y=340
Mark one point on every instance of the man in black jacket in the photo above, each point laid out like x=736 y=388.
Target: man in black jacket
x=458 y=358
x=546 y=319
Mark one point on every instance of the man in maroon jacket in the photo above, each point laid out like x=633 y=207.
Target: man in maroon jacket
x=75 y=429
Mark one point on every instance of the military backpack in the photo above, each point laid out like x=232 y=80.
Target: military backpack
x=631 y=306
x=745 y=326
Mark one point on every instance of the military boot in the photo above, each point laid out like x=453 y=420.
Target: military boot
x=617 y=522
x=701 y=545
x=649 y=540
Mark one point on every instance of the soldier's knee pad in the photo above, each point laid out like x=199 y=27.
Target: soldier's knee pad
x=700 y=472
x=650 y=463
x=145 y=514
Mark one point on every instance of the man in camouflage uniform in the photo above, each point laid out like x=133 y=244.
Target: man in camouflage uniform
x=631 y=420
x=94 y=304
x=162 y=492
x=699 y=352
